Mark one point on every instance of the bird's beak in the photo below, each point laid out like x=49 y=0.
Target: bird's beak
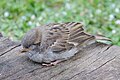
x=25 y=50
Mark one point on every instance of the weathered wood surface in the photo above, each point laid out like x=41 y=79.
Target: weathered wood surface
x=95 y=62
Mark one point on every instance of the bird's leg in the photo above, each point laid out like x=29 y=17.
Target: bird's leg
x=56 y=62
x=52 y=63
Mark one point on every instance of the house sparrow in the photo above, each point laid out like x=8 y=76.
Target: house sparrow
x=53 y=43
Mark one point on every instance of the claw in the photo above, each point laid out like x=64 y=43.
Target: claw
x=55 y=63
x=52 y=63
x=45 y=64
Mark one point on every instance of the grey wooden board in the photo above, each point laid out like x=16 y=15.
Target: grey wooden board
x=95 y=62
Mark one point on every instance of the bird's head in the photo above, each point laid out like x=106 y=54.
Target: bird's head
x=26 y=49
x=31 y=39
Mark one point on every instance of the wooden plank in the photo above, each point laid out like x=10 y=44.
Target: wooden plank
x=95 y=62
x=7 y=45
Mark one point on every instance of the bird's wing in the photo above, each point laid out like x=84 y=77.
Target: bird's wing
x=66 y=36
x=79 y=36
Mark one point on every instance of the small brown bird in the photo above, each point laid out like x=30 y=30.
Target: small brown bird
x=53 y=43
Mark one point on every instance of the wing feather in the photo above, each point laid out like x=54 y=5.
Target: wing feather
x=67 y=35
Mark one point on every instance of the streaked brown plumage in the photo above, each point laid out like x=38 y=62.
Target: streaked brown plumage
x=56 y=42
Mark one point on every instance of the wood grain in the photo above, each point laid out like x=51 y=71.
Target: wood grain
x=95 y=62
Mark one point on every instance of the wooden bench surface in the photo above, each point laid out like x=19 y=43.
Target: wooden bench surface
x=95 y=62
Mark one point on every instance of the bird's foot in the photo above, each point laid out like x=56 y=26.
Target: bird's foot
x=52 y=63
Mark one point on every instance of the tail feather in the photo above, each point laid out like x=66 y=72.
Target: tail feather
x=93 y=39
x=86 y=42
x=101 y=37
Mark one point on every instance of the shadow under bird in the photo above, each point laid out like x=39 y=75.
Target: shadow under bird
x=53 y=43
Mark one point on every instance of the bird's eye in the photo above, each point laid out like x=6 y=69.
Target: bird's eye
x=27 y=46
x=50 y=33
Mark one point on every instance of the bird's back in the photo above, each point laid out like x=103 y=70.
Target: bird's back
x=64 y=36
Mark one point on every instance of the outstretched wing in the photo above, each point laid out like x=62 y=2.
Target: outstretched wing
x=67 y=35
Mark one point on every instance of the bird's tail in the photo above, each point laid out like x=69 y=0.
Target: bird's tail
x=102 y=39
x=93 y=39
